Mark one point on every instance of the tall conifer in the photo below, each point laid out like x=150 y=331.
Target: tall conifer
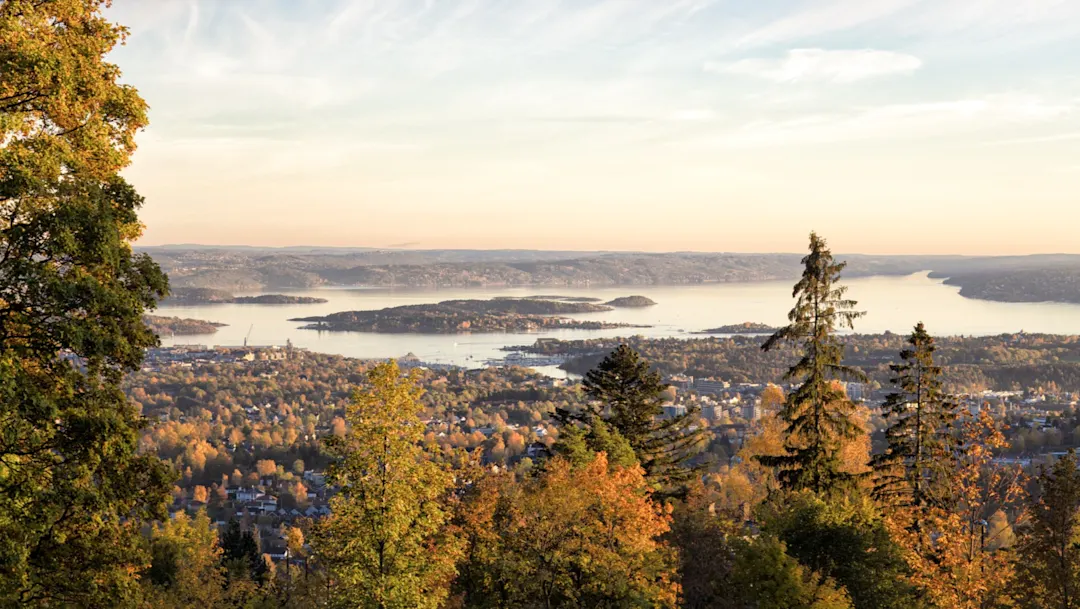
x=913 y=469
x=818 y=415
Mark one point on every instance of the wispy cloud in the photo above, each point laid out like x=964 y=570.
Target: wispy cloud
x=897 y=122
x=480 y=102
x=809 y=65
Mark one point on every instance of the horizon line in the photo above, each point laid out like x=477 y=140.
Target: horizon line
x=572 y=251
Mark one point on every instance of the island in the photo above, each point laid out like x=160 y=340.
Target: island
x=176 y=326
x=464 y=316
x=199 y=296
x=563 y=298
x=631 y=302
x=277 y=299
x=747 y=327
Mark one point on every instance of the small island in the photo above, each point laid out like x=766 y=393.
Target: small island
x=463 y=316
x=631 y=302
x=176 y=326
x=747 y=327
x=198 y=296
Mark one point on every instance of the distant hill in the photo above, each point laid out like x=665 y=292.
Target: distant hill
x=1033 y=278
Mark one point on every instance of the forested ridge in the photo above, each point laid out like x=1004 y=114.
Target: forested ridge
x=1004 y=278
x=971 y=364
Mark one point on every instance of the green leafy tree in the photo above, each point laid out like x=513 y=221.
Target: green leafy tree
x=915 y=466
x=765 y=576
x=846 y=540
x=579 y=444
x=1048 y=553
x=820 y=419
x=629 y=398
x=702 y=537
x=387 y=543
x=73 y=490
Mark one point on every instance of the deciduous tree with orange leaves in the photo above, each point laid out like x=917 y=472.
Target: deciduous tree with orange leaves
x=572 y=536
x=951 y=554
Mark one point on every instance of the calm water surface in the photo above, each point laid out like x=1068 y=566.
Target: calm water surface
x=891 y=303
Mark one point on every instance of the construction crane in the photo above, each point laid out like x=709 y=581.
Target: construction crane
x=248 y=334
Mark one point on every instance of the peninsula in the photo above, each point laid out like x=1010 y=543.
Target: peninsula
x=170 y=326
x=199 y=296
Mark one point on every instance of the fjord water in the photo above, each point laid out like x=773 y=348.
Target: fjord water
x=891 y=303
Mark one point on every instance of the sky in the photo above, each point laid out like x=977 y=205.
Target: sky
x=889 y=126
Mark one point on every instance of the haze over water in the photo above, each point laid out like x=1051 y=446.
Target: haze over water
x=891 y=303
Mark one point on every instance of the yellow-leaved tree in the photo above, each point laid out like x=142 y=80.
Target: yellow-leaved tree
x=387 y=544
x=186 y=568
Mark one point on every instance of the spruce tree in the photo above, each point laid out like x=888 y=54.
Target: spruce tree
x=914 y=467
x=241 y=553
x=629 y=398
x=818 y=415
x=1048 y=555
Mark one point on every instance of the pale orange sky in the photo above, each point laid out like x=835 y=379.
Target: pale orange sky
x=890 y=126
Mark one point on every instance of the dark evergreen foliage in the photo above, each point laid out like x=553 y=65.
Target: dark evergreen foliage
x=629 y=397
x=913 y=469
x=240 y=551
x=818 y=413
x=1048 y=554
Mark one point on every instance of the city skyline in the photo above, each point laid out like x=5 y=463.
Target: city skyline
x=615 y=125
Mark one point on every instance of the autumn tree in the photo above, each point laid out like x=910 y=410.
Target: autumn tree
x=387 y=544
x=73 y=490
x=1048 y=553
x=951 y=556
x=917 y=462
x=266 y=467
x=819 y=417
x=572 y=536
x=629 y=397
x=186 y=569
